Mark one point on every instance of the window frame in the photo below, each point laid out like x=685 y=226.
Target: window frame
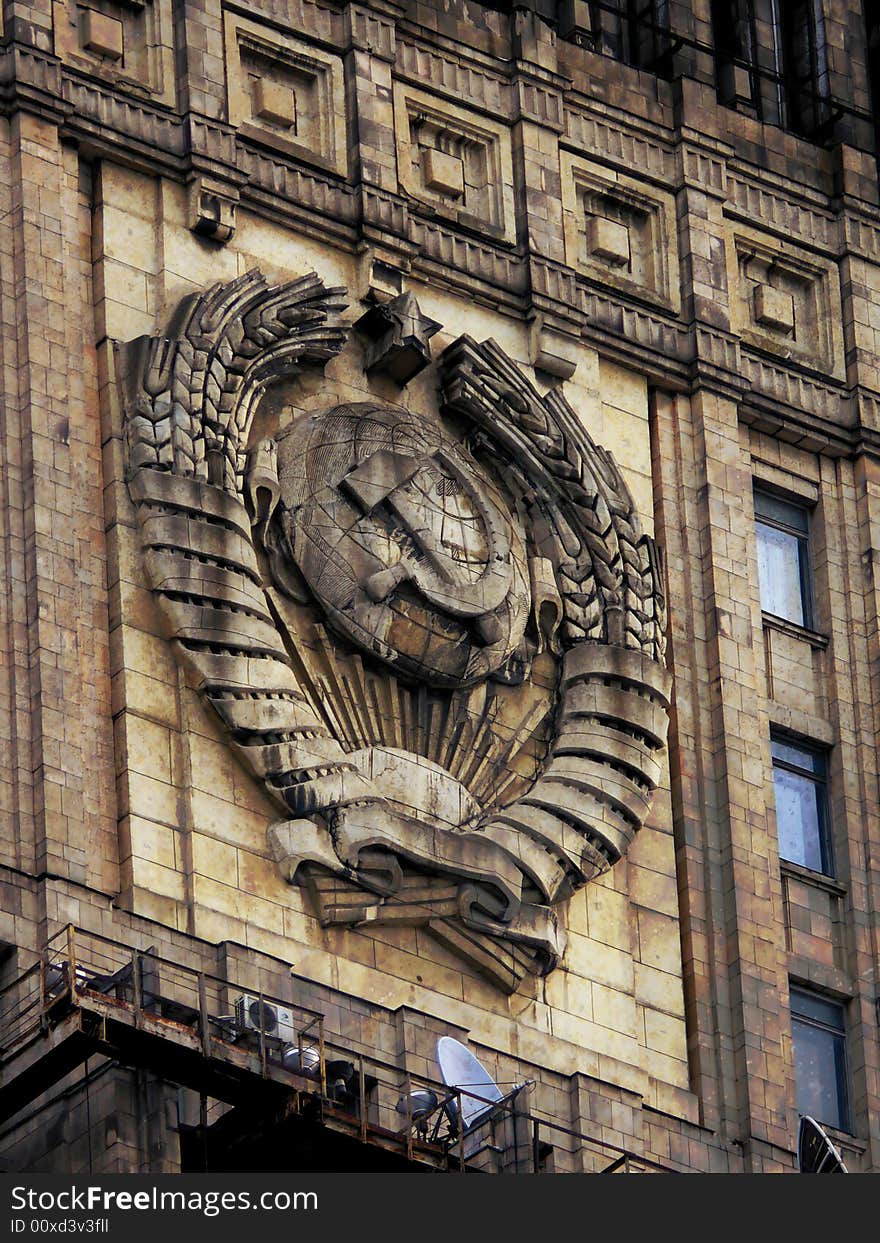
x=789 y=81
x=735 y=39
x=804 y=546
x=634 y=32
x=807 y=96
x=819 y=779
x=839 y=1036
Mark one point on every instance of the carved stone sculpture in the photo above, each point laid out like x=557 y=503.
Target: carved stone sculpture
x=397 y=336
x=436 y=636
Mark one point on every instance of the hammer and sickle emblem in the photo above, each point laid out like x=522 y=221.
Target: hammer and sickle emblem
x=463 y=563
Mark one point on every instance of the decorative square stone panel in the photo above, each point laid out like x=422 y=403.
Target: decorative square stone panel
x=785 y=300
x=286 y=92
x=102 y=35
x=457 y=161
x=443 y=173
x=774 y=308
x=608 y=241
x=129 y=42
x=275 y=102
x=620 y=231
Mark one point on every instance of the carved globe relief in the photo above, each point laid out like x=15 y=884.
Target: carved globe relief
x=405 y=542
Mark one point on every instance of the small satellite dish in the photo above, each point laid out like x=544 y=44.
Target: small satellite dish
x=460 y=1069
x=305 y=1060
x=816 y=1153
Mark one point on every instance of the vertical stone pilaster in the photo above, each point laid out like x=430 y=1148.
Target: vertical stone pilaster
x=369 y=97
x=864 y=902
x=200 y=55
x=701 y=234
x=62 y=733
x=538 y=124
x=371 y=38
x=735 y=960
x=19 y=747
x=856 y=549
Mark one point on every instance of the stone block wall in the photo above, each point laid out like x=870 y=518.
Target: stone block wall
x=703 y=285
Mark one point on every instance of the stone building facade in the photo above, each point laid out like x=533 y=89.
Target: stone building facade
x=667 y=220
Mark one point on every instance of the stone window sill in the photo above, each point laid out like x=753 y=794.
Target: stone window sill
x=817 y=879
x=795 y=631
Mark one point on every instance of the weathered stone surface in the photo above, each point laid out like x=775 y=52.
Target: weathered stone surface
x=735 y=336
x=398 y=335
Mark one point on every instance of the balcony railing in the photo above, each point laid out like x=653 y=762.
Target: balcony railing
x=101 y=995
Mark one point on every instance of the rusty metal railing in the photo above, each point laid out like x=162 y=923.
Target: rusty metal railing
x=377 y=1100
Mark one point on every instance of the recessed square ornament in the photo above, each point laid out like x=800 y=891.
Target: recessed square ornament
x=275 y=102
x=620 y=231
x=456 y=161
x=129 y=42
x=443 y=173
x=286 y=93
x=785 y=300
x=774 y=308
x=608 y=241
x=102 y=35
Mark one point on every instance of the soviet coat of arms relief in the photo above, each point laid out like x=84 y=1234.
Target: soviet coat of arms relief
x=430 y=626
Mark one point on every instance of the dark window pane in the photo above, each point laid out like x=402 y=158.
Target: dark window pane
x=636 y=31
x=801 y=805
x=872 y=21
x=820 y=64
x=791 y=85
x=809 y=1006
x=607 y=21
x=780 y=574
x=820 y=1073
x=783 y=512
x=805 y=65
x=649 y=45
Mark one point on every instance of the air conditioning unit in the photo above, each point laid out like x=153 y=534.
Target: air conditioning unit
x=264 y=1016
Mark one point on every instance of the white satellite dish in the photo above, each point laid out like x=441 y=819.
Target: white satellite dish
x=816 y=1153
x=460 y=1069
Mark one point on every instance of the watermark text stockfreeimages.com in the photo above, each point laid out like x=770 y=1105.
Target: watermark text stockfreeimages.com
x=97 y=1199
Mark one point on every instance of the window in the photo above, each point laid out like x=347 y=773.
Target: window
x=784 y=76
x=783 y=531
x=819 y=1034
x=733 y=27
x=799 y=783
x=806 y=84
x=648 y=36
x=635 y=31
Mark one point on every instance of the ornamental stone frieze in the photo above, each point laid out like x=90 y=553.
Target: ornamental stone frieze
x=433 y=630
